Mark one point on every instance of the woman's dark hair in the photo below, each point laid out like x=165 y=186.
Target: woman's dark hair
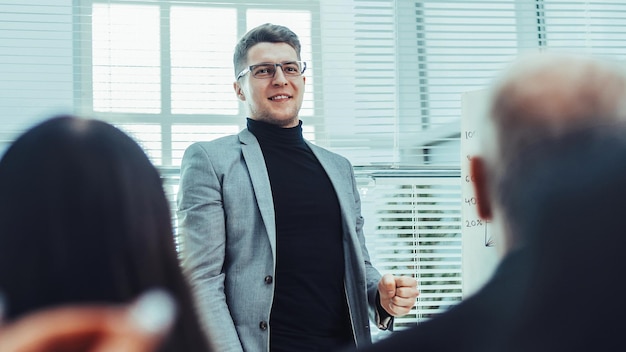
x=84 y=219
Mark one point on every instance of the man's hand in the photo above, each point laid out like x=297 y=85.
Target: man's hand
x=397 y=294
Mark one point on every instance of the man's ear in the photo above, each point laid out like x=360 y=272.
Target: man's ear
x=239 y=91
x=481 y=187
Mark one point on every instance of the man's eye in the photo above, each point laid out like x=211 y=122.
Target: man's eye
x=263 y=70
x=291 y=68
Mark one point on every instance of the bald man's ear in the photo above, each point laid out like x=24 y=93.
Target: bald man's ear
x=239 y=91
x=481 y=187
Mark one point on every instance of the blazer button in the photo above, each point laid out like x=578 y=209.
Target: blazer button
x=263 y=325
x=269 y=279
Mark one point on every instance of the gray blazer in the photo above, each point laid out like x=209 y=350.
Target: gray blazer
x=226 y=220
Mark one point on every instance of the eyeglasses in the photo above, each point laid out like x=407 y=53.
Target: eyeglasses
x=262 y=71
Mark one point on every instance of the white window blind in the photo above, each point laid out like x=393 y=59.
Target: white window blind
x=36 y=63
x=384 y=80
x=413 y=226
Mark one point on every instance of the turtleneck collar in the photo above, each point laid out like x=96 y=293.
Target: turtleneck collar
x=268 y=133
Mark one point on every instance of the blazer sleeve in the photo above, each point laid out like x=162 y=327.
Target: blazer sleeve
x=372 y=276
x=201 y=225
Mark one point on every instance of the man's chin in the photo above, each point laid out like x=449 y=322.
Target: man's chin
x=287 y=122
x=282 y=120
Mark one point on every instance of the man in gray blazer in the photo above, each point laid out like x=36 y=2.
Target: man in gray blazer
x=272 y=225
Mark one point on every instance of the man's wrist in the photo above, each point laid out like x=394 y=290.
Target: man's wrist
x=383 y=318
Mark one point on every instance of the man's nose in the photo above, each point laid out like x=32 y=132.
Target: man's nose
x=279 y=76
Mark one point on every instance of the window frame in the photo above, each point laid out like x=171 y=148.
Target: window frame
x=165 y=118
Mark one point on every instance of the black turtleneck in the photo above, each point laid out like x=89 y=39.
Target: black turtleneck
x=309 y=312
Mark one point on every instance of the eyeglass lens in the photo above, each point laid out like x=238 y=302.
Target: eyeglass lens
x=269 y=70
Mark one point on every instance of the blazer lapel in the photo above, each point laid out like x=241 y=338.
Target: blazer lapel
x=255 y=163
x=339 y=181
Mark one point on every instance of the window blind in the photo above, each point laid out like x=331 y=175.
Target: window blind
x=384 y=80
x=36 y=63
x=384 y=76
x=412 y=227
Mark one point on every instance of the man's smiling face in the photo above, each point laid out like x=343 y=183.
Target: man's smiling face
x=274 y=100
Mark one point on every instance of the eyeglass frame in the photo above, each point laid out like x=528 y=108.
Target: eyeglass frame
x=248 y=69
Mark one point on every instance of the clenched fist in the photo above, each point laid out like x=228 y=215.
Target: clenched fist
x=397 y=294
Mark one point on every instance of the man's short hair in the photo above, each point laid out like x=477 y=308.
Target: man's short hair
x=265 y=33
